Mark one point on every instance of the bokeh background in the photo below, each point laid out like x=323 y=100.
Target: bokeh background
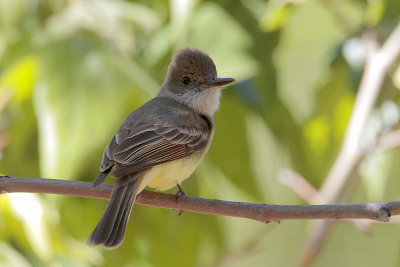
x=71 y=71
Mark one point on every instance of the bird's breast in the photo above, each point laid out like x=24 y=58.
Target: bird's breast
x=167 y=175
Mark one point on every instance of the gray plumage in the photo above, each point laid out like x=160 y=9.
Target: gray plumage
x=159 y=131
x=111 y=228
x=175 y=124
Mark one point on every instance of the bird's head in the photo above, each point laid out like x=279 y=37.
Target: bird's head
x=192 y=80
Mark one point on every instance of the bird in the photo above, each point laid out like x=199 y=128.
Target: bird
x=162 y=142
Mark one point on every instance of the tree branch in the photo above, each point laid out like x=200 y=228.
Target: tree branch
x=258 y=212
x=308 y=193
x=388 y=141
x=341 y=175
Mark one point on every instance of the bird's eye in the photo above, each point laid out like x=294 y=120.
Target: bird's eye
x=186 y=80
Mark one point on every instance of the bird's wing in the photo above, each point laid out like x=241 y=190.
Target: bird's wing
x=108 y=162
x=150 y=145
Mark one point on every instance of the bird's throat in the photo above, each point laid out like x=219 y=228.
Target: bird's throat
x=206 y=102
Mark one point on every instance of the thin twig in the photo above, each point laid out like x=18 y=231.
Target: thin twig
x=298 y=184
x=254 y=211
x=388 y=141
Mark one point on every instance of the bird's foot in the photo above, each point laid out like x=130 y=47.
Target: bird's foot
x=179 y=193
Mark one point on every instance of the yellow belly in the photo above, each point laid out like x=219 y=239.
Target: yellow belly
x=167 y=175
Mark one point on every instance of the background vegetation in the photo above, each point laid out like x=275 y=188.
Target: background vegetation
x=71 y=71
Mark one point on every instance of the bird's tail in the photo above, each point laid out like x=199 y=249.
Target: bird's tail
x=110 y=230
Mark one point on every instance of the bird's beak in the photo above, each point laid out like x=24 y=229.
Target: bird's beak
x=218 y=82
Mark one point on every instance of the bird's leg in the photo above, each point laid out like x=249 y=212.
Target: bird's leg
x=179 y=193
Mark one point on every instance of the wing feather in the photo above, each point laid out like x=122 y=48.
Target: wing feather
x=149 y=146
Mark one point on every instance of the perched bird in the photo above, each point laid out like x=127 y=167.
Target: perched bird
x=161 y=143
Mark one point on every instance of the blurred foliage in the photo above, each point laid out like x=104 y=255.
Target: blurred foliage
x=70 y=72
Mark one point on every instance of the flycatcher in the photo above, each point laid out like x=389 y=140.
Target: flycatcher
x=161 y=143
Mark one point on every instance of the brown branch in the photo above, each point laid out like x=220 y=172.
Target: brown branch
x=308 y=193
x=253 y=211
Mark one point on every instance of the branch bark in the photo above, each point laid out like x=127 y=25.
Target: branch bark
x=254 y=211
x=308 y=193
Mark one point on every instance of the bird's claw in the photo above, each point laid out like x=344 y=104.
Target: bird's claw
x=179 y=193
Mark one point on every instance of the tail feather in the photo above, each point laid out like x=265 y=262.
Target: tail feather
x=110 y=230
x=118 y=234
x=101 y=178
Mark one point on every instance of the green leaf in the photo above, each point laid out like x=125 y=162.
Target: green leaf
x=303 y=56
x=276 y=15
x=215 y=31
x=26 y=67
x=375 y=10
x=229 y=151
x=77 y=112
x=374 y=171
